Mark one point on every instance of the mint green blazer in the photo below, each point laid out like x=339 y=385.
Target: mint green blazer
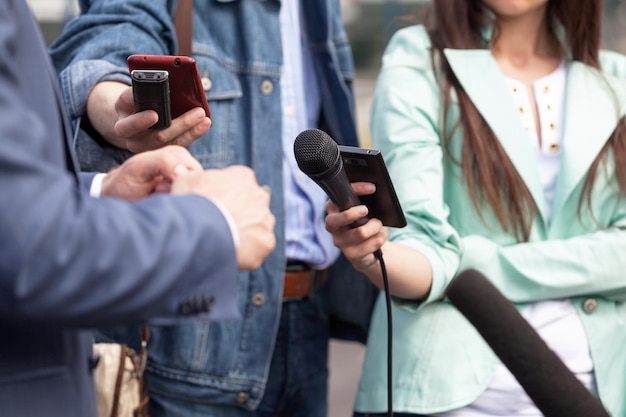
x=440 y=361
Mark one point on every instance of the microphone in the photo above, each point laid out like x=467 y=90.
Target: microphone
x=548 y=382
x=318 y=156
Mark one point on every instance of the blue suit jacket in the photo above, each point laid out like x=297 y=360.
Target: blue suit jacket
x=69 y=262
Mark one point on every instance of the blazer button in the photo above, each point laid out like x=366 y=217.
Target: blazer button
x=590 y=305
x=184 y=308
x=206 y=303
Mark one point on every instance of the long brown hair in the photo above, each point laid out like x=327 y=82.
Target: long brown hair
x=489 y=172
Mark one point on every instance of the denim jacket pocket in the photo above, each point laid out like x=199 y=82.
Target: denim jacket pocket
x=216 y=149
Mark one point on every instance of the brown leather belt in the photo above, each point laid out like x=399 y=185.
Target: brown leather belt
x=301 y=283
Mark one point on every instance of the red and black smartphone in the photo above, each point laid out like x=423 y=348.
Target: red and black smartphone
x=185 y=85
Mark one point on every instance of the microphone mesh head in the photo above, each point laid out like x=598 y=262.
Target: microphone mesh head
x=316 y=153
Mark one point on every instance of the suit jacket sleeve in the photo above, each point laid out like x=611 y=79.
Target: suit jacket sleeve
x=72 y=260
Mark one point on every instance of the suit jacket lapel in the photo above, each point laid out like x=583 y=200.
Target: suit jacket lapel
x=591 y=115
x=480 y=76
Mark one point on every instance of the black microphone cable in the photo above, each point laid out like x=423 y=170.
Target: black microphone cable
x=379 y=255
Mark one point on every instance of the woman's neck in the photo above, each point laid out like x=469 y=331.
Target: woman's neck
x=525 y=48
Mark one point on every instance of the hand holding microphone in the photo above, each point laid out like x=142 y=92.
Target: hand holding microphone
x=318 y=156
x=358 y=237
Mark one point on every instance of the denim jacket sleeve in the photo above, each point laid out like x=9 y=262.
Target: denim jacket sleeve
x=94 y=46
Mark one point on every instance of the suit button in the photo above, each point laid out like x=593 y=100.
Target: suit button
x=184 y=308
x=206 y=303
x=590 y=305
x=242 y=397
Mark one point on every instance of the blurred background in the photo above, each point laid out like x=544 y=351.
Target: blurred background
x=370 y=24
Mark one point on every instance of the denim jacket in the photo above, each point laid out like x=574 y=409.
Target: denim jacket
x=237 y=47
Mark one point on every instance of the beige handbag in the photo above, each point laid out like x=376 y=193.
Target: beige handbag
x=119 y=379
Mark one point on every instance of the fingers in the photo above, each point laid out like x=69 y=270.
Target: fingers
x=134 y=125
x=336 y=220
x=345 y=237
x=175 y=159
x=124 y=105
x=363 y=188
x=158 y=168
x=189 y=127
x=360 y=188
x=359 y=243
x=135 y=129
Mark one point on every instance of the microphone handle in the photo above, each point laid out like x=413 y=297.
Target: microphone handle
x=340 y=192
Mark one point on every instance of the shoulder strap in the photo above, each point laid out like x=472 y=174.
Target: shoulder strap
x=184 y=28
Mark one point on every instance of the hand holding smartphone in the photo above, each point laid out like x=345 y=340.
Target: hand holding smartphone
x=185 y=86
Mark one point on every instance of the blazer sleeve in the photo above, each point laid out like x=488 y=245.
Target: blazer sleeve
x=405 y=127
x=69 y=259
x=72 y=260
x=589 y=264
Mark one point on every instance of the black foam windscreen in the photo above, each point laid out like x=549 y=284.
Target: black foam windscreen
x=317 y=154
x=548 y=382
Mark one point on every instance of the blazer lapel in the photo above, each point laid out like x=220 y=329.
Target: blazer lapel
x=591 y=115
x=480 y=76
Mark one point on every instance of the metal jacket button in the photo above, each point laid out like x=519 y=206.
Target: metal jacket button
x=258 y=299
x=267 y=87
x=206 y=83
x=242 y=397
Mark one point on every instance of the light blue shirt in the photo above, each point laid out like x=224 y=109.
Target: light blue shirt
x=307 y=240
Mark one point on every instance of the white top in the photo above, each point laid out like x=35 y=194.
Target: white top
x=556 y=321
